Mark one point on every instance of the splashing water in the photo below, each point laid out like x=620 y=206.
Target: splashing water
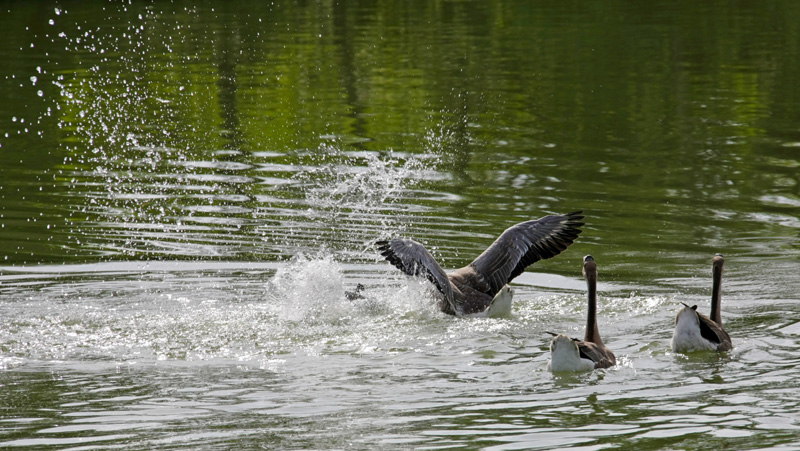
x=296 y=290
x=362 y=196
x=165 y=184
x=314 y=290
x=370 y=188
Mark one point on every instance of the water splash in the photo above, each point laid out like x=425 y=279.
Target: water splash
x=356 y=197
x=367 y=182
x=118 y=137
x=149 y=173
x=296 y=290
x=314 y=289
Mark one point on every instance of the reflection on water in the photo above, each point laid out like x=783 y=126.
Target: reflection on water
x=183 y=128
x=187 y=193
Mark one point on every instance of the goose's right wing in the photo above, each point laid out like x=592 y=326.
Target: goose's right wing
x=602 y=357
x=413 y=259
x=712 y=332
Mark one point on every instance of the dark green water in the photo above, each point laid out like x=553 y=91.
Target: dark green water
x=186 y=192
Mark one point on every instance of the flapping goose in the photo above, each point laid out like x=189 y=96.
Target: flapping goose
x=571 y=354
x=697 y=332
x=480 y=288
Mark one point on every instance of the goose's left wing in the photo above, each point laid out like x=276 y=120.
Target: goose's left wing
x=522 y=245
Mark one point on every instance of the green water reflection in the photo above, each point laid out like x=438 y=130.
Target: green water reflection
x=674 y=125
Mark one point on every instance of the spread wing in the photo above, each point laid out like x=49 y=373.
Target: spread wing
x=714 y=333
x=601 y=356
x=522 y=245
x=413 y=259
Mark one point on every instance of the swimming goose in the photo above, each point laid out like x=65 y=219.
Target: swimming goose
x=697 y=332
x=481 y=288
x=571 y=354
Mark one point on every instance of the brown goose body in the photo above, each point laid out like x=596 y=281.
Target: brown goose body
x=697 y=332
x=473 y=288
x=571 y=354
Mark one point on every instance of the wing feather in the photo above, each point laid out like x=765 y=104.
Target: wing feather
x=601 y=356
x=522 y=245
x=413 y=259
x=712 y=332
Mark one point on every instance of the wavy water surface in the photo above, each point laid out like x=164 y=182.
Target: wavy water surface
x=188 y=193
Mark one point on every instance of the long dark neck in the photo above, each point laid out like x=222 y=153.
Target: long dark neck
x=716 y=290
x=592 y=333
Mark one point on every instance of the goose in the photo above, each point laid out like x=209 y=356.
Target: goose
x=571 y=354
x=481 y=288
x=697 y=332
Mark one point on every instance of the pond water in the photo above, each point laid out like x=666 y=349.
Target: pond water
x=186 y=194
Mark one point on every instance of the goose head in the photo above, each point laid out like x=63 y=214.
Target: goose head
x=589 y=267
